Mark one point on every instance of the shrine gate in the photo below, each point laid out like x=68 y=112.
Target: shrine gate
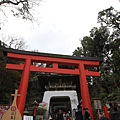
x=81 y=64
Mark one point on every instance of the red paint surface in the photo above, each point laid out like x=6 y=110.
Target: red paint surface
x=23 y=86
x=106 y=112
x=86 y=103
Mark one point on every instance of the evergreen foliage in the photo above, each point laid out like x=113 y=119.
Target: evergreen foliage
x=104 y=41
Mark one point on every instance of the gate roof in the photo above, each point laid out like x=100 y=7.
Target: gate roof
x=10 y=50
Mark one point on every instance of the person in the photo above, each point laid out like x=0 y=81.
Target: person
x=60 y=115
x=68 y=116
x=64 y=115
x=78 y=113
x=54 y=115
x=115 y=115
x=86 y=114
x=101 y=115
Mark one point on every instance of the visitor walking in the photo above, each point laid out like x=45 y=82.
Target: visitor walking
x=60 y=115
x=101 y=115
x=115 y=115
x=54 y=115
x=78 y=113
x=86 y=114
x=68 y=116
x=64 y=115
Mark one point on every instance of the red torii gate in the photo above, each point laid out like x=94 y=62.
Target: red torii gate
x=55 y=60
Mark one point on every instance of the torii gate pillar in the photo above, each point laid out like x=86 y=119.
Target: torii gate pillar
x=86 y=103
x=24 y=86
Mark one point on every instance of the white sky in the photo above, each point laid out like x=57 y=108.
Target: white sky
x=62 y=23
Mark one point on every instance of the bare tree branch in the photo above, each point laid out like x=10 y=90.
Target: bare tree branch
x=11 y=2
x=20 y=8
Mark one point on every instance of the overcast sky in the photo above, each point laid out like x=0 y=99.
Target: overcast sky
x=61 y=24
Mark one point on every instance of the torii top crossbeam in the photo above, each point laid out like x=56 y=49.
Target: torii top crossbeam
x=55 y=60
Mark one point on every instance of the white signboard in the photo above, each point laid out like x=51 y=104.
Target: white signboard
x=97 y=104
x=27 y=117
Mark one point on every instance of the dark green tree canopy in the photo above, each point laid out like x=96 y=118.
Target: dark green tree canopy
x=104 y=41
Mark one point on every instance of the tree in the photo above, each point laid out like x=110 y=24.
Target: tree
x=15 y=42
x=9 y=80
x=109 y=18
x=104 y=42
x=19 y=8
